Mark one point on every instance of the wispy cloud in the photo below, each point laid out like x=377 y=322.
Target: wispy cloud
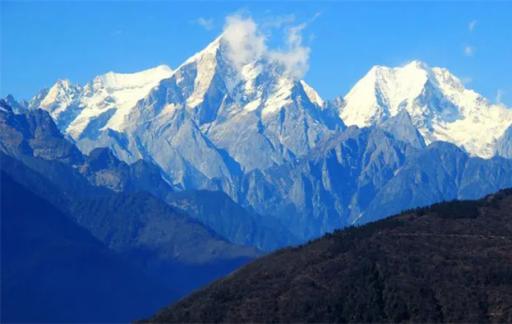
x=277 y=21
x=499 y=96
x=315 y=17
x=206 y=23
x=247 y=42
x=469 y=50
x=467 y=80
x=295 y=58
x=472 y=25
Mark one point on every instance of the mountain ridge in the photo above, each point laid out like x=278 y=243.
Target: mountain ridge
x=113 y=203
x=457 y=273
x=217 y=124
x=224 y=92
x=33 y=139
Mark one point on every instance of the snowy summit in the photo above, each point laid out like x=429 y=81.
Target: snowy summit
x=440 y=106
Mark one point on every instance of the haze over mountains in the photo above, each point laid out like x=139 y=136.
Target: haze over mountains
x=69 y=221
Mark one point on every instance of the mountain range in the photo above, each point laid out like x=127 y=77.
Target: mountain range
x=279 y=151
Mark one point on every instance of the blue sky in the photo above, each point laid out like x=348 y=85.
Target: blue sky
x=45 y=41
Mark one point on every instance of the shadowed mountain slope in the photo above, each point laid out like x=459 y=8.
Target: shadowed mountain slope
x=33 y=138
x=116 y=205
x=49 y=262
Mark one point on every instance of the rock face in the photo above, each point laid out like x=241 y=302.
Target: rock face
x=363 y=175
x=240 y=225
x=504 y=144
x=446 y=263
x=402 y=128
x=34 y=134
x=328 y=189
x=439 y=173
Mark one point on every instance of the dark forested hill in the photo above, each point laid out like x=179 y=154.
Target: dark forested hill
x=451 y=262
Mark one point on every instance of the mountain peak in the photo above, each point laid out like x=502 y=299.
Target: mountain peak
x=416 y=72
x=409 y=67
x=108 y=97
x=61 y=84
x=417 y=64
x=114 y=80
x=312 y=94
x=209 y=51
x=441 y=108
x=62 y=93
x=4 y=106
x=11 y=104
x=402 y=128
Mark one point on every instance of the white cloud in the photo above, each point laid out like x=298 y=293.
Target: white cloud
x=295 y=58
x=469 y=50
x=247 y=43
x=277 y=21
x=467 y=80
x=472 y=25
x=499 y=96
x=315 y=16
x=206 y=23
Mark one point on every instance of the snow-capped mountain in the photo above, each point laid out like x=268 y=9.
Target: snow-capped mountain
x=440 y=106
x=108 y=97
x=209 y=120
x=273 y=145
x=265 y=137
x=255 y=113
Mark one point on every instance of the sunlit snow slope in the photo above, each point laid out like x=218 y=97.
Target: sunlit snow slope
x=440 y=106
